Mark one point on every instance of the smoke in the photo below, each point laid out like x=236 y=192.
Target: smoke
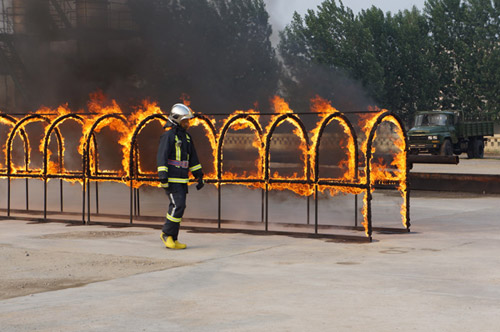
x=61 y=65
x=281 y=13
x=310 y=80
x=216 y=52
x=219 y=55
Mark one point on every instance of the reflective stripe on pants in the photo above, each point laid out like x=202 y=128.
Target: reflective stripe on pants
x=177 y=197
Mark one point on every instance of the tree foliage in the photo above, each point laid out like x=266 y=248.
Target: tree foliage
x=446 y=57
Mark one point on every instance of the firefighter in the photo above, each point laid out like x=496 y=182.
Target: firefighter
x=175 y=159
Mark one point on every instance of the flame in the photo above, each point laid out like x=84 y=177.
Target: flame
x=302 y=182
x=15 y=169
x=212 y=140
x=281 y=107
x=52 y=167
x=186 y=99
x=240 y=124
x=324 y=108
x=8 y=122
x=398 y=172
x=381 y=171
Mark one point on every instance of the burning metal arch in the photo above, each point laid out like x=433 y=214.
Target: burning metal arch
x=341 y=118
x=54 y=126
x=20 y=125
x=404 y=185
x=222 y=136
x=133 y=172
x=12 y=122
x=296 y=121
x=87 y=147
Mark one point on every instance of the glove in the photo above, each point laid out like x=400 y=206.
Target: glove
x=200 y=184
x=166 y=188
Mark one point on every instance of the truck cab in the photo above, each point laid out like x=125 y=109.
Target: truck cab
x=447 y=133
x=434 y=132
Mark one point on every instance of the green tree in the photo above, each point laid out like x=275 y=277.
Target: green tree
x=327 y=52
x=484 y=57
x=465 y=38
x=447 y=24
x=389 y=56
x=402 y=47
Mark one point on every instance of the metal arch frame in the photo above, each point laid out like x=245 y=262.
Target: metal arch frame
x=86 y=158
x=91 y=134
x=134 y=165
x=352 y=134
x=208 y=122
x=335 y=116
x=24 y=138
x=213 y=133
x=133 y=173
x=220 y=143
x=269 y=135
x=13 y=133
x=55 y=127
x=134 y=152
x=267 y=158
x=19 y=126
x=369 y=156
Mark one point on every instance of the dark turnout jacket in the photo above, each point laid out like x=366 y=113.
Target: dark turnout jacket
x=176 y=157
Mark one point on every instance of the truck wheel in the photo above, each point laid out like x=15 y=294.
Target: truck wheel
x=471 y=148
x=446 y=148
x=479 y=148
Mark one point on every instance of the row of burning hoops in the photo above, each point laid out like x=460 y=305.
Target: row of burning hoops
x=134 y=177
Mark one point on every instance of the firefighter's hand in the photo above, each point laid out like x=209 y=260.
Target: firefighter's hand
x=200 y=184
x=166 y=188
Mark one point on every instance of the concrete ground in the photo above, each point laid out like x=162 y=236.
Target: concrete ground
x=443 y=276
x=490 y=165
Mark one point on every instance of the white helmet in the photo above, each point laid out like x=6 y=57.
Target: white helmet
x=180 y=112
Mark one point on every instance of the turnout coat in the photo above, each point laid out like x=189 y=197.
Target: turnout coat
x=177 y=157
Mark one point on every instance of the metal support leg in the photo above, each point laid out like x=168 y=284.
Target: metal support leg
x=97 y=197
x=88 y=201
x=131 y=202
x=219 y=206
x=262 y=206
x=83 y=201
x=138 y=203
x=27 y=196
x=308 y=209
x=8 y=196
x=45 y=199
x=267 y=208
x=355 y=210
x=135 y=202
x=61 y=194
x=316 y=209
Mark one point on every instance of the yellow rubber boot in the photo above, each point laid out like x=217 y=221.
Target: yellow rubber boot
x=179 y=245
x=168 y=241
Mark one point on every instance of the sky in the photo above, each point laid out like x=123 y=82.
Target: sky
x=281 y=11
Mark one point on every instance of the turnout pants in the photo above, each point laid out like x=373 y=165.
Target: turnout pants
x=177 y=194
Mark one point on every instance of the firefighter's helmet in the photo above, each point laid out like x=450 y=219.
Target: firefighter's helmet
x=180 y=112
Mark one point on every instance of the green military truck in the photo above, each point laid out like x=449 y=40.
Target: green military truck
x=447 y=133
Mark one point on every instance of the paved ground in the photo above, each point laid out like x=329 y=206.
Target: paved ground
x=490 y=165
x=444 y=276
